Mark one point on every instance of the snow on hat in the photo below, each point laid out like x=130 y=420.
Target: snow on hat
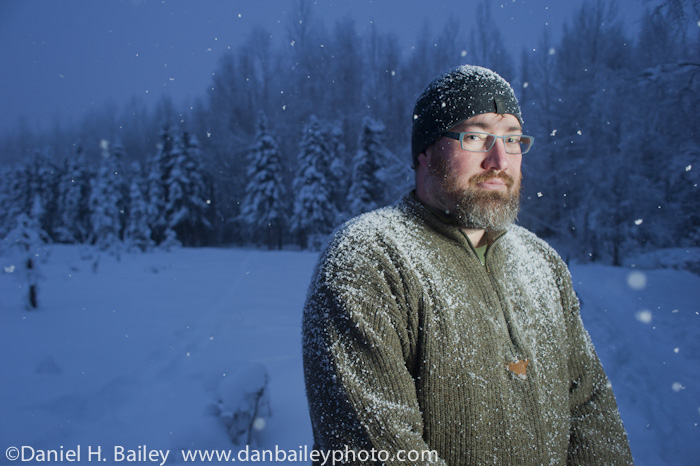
x=454 y=96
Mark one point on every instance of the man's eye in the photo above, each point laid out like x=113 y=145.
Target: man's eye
x=513 y=139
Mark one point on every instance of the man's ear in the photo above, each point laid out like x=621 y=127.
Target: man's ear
x=423 y=159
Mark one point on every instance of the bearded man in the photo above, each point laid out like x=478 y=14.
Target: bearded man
x=436 y=331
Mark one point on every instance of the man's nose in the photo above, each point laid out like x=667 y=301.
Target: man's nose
x=497 y=157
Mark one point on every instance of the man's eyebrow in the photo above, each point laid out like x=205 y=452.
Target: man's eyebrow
x=485 y=126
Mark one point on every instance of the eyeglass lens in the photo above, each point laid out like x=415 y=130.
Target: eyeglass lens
x=483 y=142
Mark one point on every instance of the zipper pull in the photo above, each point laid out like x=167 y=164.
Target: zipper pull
x=519 y=368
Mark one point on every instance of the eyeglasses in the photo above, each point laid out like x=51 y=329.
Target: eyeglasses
x=483 y=142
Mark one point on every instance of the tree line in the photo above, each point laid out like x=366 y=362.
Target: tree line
x=294 y=136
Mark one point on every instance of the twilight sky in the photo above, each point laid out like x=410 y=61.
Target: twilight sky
x=59 y=58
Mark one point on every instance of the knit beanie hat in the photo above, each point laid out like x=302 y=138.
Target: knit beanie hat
x=454 y=96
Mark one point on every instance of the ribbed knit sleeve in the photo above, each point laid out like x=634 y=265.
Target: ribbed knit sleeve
x=362 y=395
x=597 y=436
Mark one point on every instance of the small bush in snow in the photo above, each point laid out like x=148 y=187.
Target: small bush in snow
x=243 y=403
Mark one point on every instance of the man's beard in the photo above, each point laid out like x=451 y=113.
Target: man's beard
x=472 y=207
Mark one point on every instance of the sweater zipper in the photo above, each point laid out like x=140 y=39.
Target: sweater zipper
x=514 y=352
x=501 y=301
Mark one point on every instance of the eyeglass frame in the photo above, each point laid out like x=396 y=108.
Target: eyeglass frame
x=459 y=137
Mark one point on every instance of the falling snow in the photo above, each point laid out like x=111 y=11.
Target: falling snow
x=637 y=280
x=645 y=316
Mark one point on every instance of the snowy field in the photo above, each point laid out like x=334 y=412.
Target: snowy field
x=153 y=351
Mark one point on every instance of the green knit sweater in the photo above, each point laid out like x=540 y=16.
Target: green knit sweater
x=408 y=338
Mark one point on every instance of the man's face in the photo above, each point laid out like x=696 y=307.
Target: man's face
x=481 y=190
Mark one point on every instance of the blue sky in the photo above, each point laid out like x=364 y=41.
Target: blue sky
x=60 y=58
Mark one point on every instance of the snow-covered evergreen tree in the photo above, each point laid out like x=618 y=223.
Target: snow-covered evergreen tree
x=186 y=205
x=314 y=213
x=170 y=241
x=265 y=205
x=177 y=196
x=394 y=174
x=40 y=178
x=137 y=234
x=73 y=201
x=25 y=244
x=105 y=199
x=12 y=200
x=338 y=174
x=49 y=174
x=156 y=193
x=176 y=184
x=367 y=190
x=121 y=183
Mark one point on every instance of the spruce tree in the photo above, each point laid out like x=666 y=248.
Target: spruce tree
x=137 y=235
x=156 y=190
x=73 y=201
x=12 y=200
x=121 y=183
x=176 y=182
x=314 y=213
x=170 y=240
x=264 y=207
x=338 y=174
x=26 y=242
x=40 y=178
x=48 y=175
x=105 y=215
x=186 y=206
x=367 y=190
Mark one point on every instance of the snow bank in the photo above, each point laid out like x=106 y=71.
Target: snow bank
x=163 y=349
x=669 y=258
x=646 y=328
x=160 y=349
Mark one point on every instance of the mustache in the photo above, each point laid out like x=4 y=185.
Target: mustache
x=483 y=177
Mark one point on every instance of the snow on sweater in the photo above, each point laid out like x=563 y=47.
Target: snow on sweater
x=408 y=338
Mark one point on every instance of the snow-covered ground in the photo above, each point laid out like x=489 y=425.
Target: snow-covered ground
x=152 y=350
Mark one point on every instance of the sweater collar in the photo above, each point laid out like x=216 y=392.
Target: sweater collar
x=443 y=223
